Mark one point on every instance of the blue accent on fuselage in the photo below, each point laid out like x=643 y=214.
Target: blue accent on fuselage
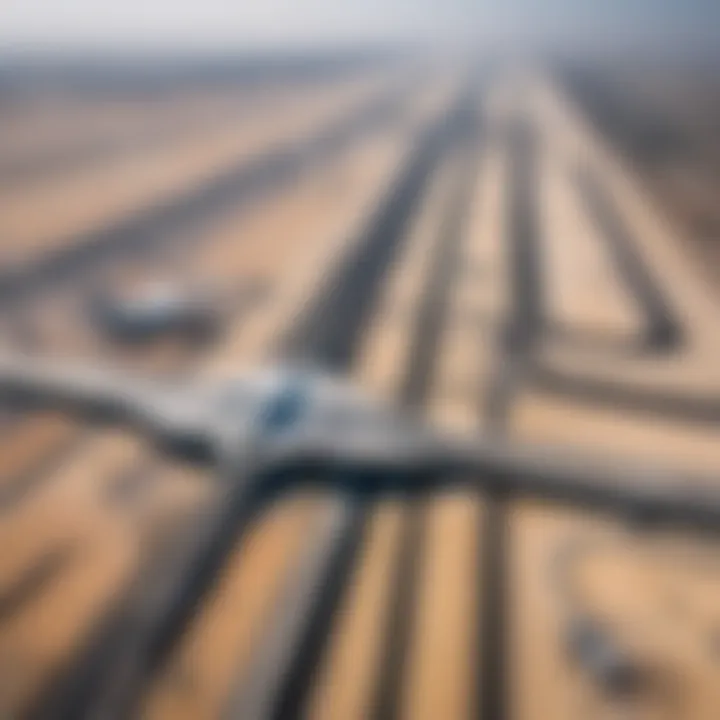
x=287 y=407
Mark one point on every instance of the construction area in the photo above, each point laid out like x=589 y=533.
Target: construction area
x=497 y=249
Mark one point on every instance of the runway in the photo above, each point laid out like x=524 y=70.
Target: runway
x=460 y=242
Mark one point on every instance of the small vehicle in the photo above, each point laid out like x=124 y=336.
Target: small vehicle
x=157 y=310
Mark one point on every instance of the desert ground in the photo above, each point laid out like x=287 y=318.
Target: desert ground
x=522 y=253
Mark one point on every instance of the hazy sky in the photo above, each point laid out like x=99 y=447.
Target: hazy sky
x=219 y=23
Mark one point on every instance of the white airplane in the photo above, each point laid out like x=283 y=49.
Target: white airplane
x=298 y=418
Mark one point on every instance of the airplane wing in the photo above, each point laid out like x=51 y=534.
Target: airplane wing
x=422 y=457
x=82 y=389
x=166 y=411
